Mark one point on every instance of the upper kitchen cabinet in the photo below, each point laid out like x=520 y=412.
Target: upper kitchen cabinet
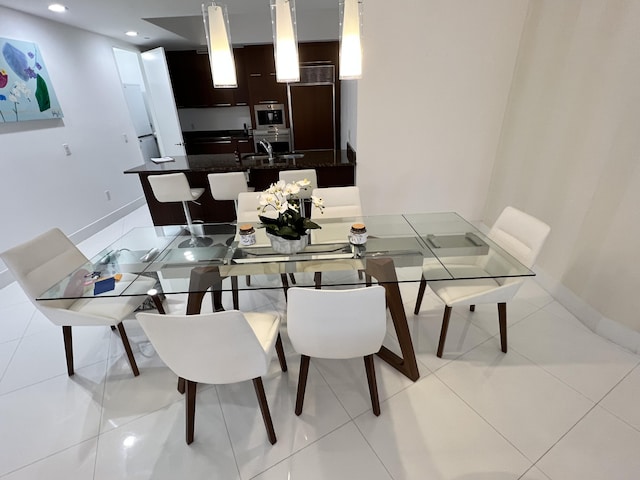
x=260 y=69
x=193 y=85
x=319 y=52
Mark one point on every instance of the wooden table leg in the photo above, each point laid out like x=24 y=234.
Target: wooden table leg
x=203 y=278
x=383 y=270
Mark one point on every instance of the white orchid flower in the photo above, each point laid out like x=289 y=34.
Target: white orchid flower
x=303 y=183
x=292 y=189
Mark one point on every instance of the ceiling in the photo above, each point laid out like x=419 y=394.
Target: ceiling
x=178 y=24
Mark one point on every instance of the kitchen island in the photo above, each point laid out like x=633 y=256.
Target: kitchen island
x=334 y=168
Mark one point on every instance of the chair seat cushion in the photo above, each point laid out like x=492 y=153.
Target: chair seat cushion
x=196 y=193
x=473 y=291
x=116 y=308
x=265 y=326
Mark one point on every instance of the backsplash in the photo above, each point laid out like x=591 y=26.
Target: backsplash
x=223 y=118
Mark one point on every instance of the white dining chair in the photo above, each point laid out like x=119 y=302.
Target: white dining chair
x=522 y=236
x=337 y=324
x=45 y=260
x=217 y=348
x=338 y=202
x=227 y=186
x=291 y=176
x=174 y=187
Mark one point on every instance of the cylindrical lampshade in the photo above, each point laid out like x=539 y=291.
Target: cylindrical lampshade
x=350 y=44
x=223 y=67
x=285 y=40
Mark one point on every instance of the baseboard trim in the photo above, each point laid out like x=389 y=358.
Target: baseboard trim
x=5 y=275
x=616 y=332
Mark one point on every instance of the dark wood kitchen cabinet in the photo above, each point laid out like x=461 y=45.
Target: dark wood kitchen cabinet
x=192 y=82
x=260 y=69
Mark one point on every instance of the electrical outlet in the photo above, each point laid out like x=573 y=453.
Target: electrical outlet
x=67 y=150
x=107 y=194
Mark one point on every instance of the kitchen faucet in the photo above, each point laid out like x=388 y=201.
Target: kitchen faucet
x=267 y=146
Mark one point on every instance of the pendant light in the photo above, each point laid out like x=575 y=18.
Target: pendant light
x=216 y=26
x=285 y=40
x=350 y=39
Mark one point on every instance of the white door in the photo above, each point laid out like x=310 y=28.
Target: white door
x=162 y=103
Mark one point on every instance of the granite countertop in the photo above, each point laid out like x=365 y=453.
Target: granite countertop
x=227 y=162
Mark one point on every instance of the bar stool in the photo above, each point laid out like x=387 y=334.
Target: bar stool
x=174 y=187
x=290 y=176
x=227 y=186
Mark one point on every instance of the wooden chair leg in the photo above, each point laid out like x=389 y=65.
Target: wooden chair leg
x=368 y=280
x=317 y=279
x=421 y=290
x=502 y=319
x=234 y=292
x=264 y=408
x=373 y=386
x=285 y=284
x=472 y=308
x=181 y=385
x=190 y=410
x=280 y=352
x=127 y=348
x=443 y=330
x=293 y=278
x=302 y=383
x=68 y=348
x=247 y=279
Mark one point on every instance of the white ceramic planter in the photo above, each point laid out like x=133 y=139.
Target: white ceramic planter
x=282 y=245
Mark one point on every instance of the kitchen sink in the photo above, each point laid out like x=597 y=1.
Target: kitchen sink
x=281 y=158
x=255 y=156
x=290 y=156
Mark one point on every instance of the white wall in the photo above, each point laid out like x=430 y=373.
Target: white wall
x=570 y=150
x=436 y=79
x=349 y=113
x=40 y=187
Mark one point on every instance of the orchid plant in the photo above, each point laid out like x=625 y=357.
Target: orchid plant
x=283 y=198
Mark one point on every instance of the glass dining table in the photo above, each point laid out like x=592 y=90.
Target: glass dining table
x=399 y=249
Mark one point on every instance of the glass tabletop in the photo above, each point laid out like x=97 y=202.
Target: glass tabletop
x=440 y=246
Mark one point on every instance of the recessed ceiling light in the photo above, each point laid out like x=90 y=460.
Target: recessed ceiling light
x=58 y=8
x=131 y=33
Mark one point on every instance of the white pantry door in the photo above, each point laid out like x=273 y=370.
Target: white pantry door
x=163 y=104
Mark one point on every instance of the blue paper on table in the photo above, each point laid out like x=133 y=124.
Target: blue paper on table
x=105 y=285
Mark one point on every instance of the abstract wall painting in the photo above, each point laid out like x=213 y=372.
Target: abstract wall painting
x=26 y=92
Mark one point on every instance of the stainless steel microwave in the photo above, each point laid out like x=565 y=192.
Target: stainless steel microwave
x=269 y=115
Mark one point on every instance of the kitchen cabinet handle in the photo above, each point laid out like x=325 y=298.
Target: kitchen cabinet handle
x=242 y=104
x=221 y=141
x=243 y=141
x=255 y=74
x=222 y=105
x=268 y=101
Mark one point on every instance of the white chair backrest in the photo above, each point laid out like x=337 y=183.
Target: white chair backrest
x=248 y=203
x=227 y=186
x=41 y=262
x=520 y=234
x=170 y=187
x=336 y=323
x=338 y=202
x=213 y=348
x=290 y=176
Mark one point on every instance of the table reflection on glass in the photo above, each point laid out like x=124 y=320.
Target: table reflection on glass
x=412 y=248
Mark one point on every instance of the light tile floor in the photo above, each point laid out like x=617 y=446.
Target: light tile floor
x=561 y=405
